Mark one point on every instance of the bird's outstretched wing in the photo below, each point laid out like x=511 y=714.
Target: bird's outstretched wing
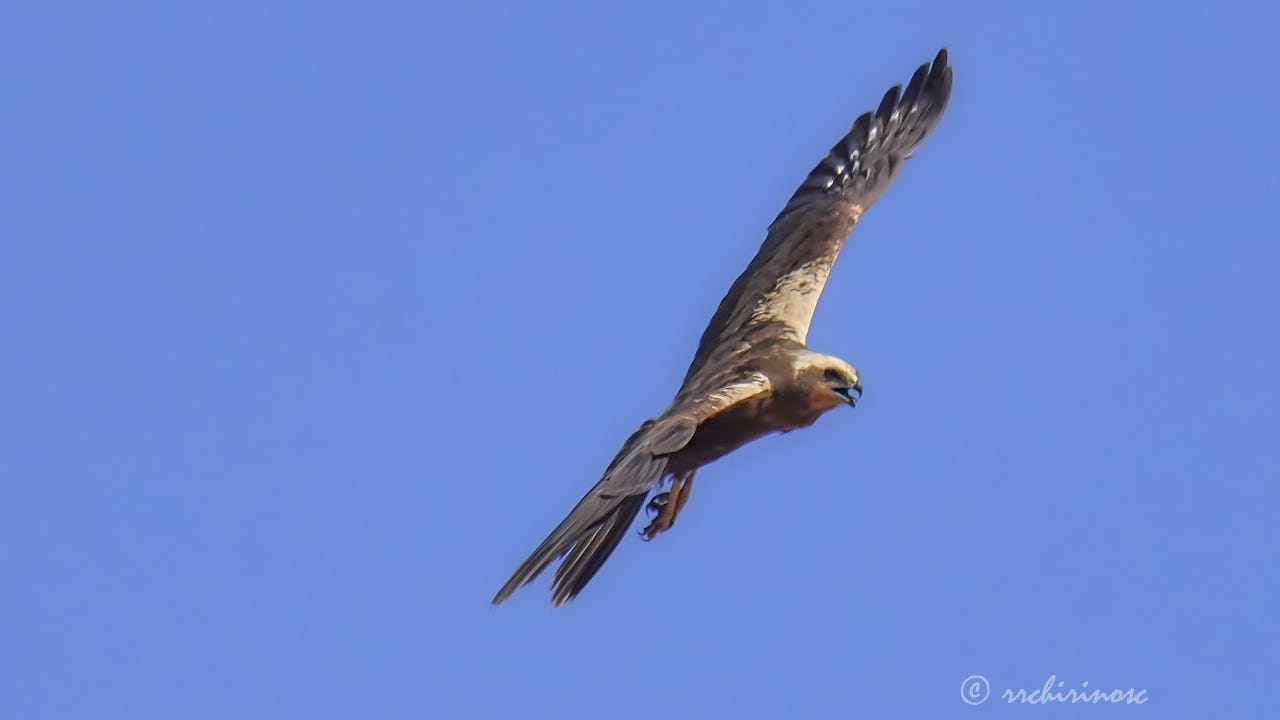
x=777 y=293
x=600 y=519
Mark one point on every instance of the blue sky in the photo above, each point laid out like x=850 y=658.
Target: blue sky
x=318 y=317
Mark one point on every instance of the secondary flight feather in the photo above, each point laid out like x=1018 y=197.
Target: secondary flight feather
x=752 y=373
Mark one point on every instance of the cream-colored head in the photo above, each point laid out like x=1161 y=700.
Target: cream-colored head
x=828 y=377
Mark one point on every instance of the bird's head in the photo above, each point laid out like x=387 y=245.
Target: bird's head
x=829 y=380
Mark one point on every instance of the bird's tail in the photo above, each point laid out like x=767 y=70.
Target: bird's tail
x=595 y=525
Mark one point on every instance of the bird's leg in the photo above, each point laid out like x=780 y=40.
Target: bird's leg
x=669 y=504
x=683 y=498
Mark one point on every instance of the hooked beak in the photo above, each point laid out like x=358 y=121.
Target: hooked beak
x=851 y=393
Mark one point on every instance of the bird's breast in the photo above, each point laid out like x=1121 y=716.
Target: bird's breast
x=739 y=425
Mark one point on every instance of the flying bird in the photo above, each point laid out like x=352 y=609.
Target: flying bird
x=752 y=373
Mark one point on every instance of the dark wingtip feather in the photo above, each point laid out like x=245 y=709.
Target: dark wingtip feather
x=915 y=85
x=889 y=102
x=860 y=131
x=940 y=77
x=866 y=160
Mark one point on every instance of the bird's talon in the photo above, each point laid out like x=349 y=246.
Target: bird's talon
x=655 y=528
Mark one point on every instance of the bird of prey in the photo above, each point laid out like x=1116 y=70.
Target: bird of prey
x=752 y=373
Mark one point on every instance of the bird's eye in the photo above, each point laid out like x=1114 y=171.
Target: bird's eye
x=833 y=375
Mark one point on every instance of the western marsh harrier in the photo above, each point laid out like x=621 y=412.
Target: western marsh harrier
x=752 y=373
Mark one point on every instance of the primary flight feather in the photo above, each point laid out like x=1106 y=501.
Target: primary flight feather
x=752 y=373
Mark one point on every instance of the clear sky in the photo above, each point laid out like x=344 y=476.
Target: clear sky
x=317 y=317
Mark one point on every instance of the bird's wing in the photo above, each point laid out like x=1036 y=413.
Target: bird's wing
x=776 y=295
x=595 y=525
